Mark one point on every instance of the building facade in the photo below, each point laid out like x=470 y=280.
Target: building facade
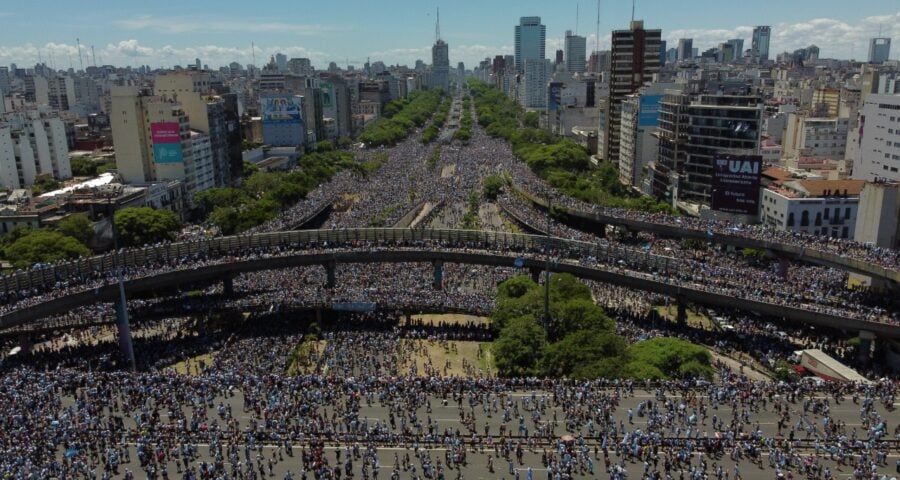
x=32 y=143
x=879 y=50
x=760 y=44
x=530 y=41
x=575 y=51
x=879 y=142
x=816 y=207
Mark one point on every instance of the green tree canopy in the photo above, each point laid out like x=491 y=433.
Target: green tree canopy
x=43 y=246
x=83 y=167
x=585 y=354
x=493 y=186
x=674 y=357
x=77 y=226
x=143 y=225
x=519 y=347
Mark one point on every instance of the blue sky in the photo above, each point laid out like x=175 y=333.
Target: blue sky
x=165 y=33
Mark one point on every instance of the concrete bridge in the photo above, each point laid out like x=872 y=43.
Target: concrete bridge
x=381 y=246
x=597 y=222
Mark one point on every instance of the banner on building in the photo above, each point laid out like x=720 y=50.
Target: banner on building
x=327 y=94
x=554 y=96
x=735 y=184
x=166 y=138
x=280 y=109
x=649 y=114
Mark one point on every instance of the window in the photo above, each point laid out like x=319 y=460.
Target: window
x=818 y=219
x=847 y=213
x=804 y=218
x=826 y=213
x=790 y=220
x=845 y=232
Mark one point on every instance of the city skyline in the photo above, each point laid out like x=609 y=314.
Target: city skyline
x=139 y=35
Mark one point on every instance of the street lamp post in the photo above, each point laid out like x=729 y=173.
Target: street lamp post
x=547 y=271
x=122 y=323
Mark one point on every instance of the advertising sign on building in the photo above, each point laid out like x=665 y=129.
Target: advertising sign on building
x=280 y=109
x=554 y=95
x=166 y=138
x=327 y=94
x=735 y=184
x=649 y=115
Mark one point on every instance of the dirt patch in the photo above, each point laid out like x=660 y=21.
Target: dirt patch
x=447 y=359
x=694 y=318
x=450 y=319
x=448 y=171
x=193 y=365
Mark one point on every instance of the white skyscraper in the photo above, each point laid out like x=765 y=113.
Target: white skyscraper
x=536 y=77
x=32 y=143
x=576 y=52
x=879 y=143
x=530 y=41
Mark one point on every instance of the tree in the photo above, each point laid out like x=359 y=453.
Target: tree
x=605 y=352
x=44 y=183
x=493 y=186
x=83 y=167
x=519 y=347
x=344 y=141
x=143 y=225
x=580 y=314
x=209 y=199
x=324 y=146
x=43 y=246
x=250 y=168
x=674 y=357
x=77 y=226
x=515 y=287
x=532 y=119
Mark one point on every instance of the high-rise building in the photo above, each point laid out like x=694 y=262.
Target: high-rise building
x=696 y=127
x=685 y=49
x=530 y=41
x=576 y=49
x=879 y=50
x=635 y=59
x=32 y=143
x=281 y=62
x=560 y=58
x=536 y=76
x=879 y=143
x=725 y=53
x=300 y=66
x=760 y=44
x=152 y=137
x=440 y=59
x=737 y=45
x=662 y=53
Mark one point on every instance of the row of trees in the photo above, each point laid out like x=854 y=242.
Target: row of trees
x=464 y=133
x=72 y=236
x=558 y=160
x=579 y=340
x=263 y=195
x=400 y=117
x=440 y=117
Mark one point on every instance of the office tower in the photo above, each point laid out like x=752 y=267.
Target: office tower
x=560 y=58
x=281 y=62
x=737 y=46
x=685 y=49
x=197 y=64
x=440 y=59
x=635 y=58
x=535 y=79
x=32 y=143
x=662 y=53
x=725 y=118
x=725 y=53
x=760 y=44
x=879 y=50
x=576 y=50
x=530 y=41
x=879 y=159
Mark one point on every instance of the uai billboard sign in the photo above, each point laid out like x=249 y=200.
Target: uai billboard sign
x=735 y=184
x=166 y=138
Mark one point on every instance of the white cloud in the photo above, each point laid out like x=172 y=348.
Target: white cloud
x=176 y=25
x=129 y=48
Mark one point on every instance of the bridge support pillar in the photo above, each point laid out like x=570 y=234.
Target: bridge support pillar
x=681 y=317
x=866 y=345
x=228 y=286
x=600 y=231
x=24 y=344
x=124 y=329
x=535 y=274
x=438 y=281
x=330 y=268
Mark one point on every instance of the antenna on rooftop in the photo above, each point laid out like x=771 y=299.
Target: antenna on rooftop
x=597 y=39
x=576 y=18
x=632 y=9
x=437 y=26
x=253 y=53
x=94 y=56
x=80 y=60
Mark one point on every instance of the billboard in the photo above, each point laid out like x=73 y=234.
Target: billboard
x=554 y=95
x=649 y=115
x=735 y=184
x=166 y=138
x=280 y=109
x=327 y=94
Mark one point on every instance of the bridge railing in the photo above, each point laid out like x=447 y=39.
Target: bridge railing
x=46 y=277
